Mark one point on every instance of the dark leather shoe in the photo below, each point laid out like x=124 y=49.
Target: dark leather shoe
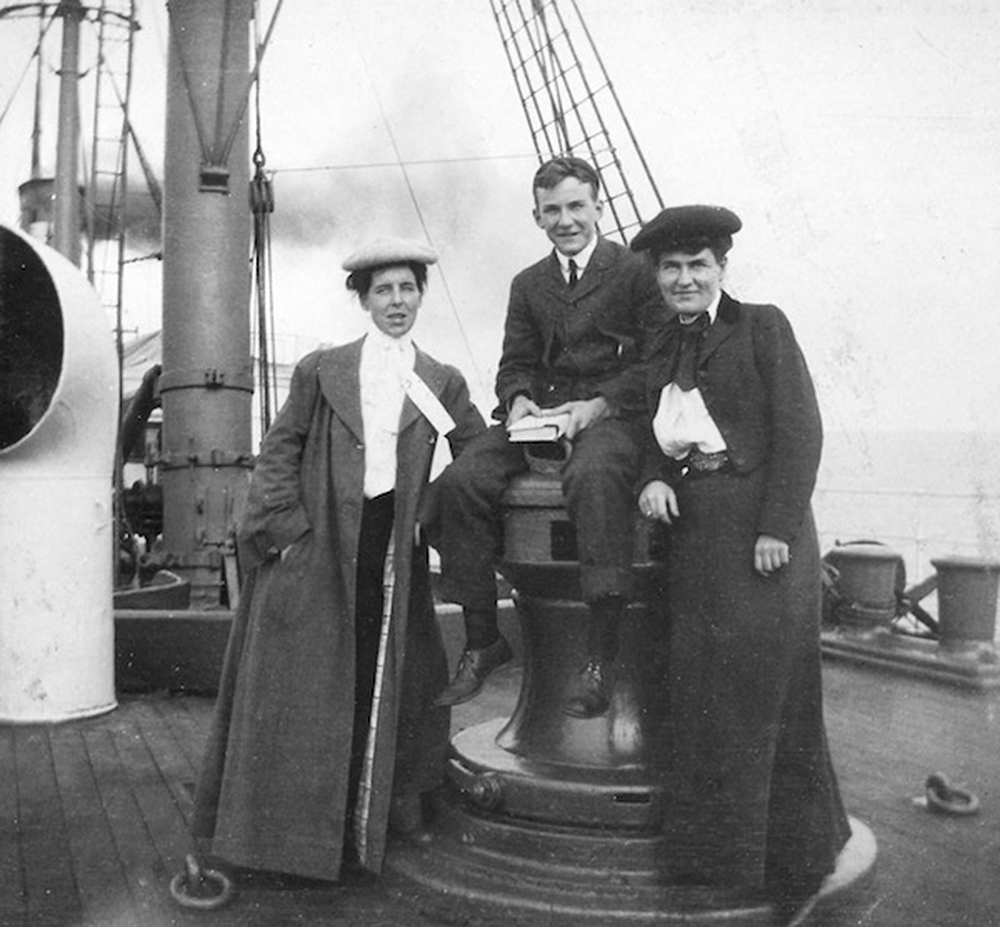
x=472 y=671
x=406 y=813
x=588 y=693
x=406 y=819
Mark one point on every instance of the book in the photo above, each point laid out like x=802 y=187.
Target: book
x=538 y=428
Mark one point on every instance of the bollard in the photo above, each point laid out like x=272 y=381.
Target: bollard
x=869 y=576
x=967 y=601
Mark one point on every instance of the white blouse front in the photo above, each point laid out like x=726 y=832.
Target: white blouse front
x=682 y=420
x=386 y=366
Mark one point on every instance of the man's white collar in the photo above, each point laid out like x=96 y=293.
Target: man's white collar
x=582 y=258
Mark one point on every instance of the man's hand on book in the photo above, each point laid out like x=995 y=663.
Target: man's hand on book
x=520 y=407
x=582 y=413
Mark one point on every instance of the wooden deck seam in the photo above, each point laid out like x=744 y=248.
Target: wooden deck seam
x=126 y=823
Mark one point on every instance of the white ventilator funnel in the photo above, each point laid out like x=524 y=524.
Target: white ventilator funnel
x=58 y=413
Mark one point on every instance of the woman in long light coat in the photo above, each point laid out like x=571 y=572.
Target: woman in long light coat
x=325 y=732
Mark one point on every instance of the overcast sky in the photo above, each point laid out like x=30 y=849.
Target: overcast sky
x=859 y=142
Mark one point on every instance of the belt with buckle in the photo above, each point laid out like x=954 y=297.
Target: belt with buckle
x=698 y=464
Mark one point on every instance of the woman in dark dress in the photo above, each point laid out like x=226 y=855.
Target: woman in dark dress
x=734 y=447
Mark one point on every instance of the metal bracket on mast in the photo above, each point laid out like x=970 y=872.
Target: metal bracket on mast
x=206 y=378
x=213 y=178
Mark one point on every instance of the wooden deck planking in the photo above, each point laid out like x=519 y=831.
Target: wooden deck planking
x=48 y=882
x=153 y=793
x=96 y=867
x=189 y=719
x=172 y=761
x=13 y=904
x=95 y=813
x=136 y=849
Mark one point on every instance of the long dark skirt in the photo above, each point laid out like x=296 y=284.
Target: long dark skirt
x=756 y=803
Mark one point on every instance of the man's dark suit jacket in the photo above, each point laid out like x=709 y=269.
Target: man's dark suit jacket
x=562 y=344
x=758 y=390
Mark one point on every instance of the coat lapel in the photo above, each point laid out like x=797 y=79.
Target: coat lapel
x=340 y=381
x=559 y=298
x=593 y=273
x=667 y=344
x=721 y=329
x=555 y=295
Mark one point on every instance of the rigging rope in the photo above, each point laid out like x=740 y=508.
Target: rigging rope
x=35 y=54
x=420 y=216
x=550 y=82
x=261 y=206
x=365 y=165
x=218 y=154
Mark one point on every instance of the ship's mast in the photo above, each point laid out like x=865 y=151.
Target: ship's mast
x=206 y=385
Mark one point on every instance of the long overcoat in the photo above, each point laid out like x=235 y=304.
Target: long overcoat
x=273 y=790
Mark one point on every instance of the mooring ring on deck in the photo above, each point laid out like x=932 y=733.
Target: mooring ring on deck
x=193 y=877
x=946 y=798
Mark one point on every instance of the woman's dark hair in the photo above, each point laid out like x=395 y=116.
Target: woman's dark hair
x=718 y=245
x=360 y=281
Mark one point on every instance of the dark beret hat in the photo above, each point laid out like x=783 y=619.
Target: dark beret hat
x=680 y=224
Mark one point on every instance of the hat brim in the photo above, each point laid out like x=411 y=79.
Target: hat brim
x=385 y=251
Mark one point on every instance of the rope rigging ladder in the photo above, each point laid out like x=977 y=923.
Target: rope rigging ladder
x=571 y=105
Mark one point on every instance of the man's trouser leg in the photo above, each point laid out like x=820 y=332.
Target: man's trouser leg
x=598 y=484
x=470 y=529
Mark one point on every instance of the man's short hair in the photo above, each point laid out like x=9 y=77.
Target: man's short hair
x=556 y=170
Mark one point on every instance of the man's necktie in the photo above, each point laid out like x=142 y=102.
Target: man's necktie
x=573 y=273
x=691 y=336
